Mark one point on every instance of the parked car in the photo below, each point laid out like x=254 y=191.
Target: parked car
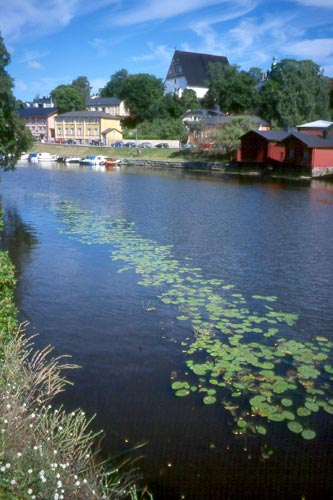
x=118 y=144
x=189 y=145
x=145 y=145
x=130 y=145
x=60 y=141
x=207 y=145
x=71 y=141
x=162 y=145
x=97 y=142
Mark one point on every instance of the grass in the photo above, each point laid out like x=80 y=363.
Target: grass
x=46 y=453
x=169 y=154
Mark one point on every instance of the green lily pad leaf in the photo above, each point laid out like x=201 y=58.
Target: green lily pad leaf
x=242 y=424
x=303 y=412
x=209 y=400
x=328 y=408
x=311 y=406
x=261 y=430
x=308 y=434
x=180 y=385
x=182 y=392
x=286 y=402
x=276 y=417
x=295 y=427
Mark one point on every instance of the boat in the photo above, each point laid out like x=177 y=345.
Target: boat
x=112 y=163
x=41 y=157
x=93 y=160
x=72 y=159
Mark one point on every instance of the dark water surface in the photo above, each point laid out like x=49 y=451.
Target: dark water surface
x=266 y=239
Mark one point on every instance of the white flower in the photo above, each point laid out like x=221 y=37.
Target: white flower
x=59 y=484
x=13 y=481
x=29 y=491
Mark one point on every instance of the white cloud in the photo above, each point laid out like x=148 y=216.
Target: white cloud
x=33 y=18
x=159 y=10
x=100 y=45
x=35 y=65
x=316 y=3
x=160 y=53
x=320 y=49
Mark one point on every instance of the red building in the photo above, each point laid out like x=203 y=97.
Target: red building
x=262 y=146
x=309 y=150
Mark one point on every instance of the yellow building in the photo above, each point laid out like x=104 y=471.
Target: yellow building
x=88 y=127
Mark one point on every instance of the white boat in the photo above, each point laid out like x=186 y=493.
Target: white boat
x=40 y=157
x=46 y=157
x=73 y=159
x=93 y=160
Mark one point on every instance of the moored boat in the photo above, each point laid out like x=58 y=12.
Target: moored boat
x=112 y=162
x=93 y=160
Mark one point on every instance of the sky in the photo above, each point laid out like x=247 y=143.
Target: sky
x=52 y=42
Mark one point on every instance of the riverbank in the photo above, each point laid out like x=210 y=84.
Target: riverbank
x=193 y=160
x=45 y=452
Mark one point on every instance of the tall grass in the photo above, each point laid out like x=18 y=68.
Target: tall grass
x=45 y=452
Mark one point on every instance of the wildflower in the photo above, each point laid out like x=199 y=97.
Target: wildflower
x=19 y=454
x=13 y=481
x=59 y=484
x=29 y=471
x=29 y=491
x=77 y=483
x=8 y=466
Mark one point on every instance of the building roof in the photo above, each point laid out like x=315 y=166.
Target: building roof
x=270 y=135
x=313 y=141
x=316 y=124
x=193 y=66
x=103 y=101
x=86 y=114
x=42 y=112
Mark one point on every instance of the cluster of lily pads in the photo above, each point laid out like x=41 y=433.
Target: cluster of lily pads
x=236 y=355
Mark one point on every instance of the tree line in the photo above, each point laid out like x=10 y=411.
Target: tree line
x=290 y=93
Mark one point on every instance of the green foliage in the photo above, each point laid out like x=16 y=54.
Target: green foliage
x=231 y=88
x=158 y=128
x=8 y=320
x=114 y=88
x=295 y=92
x=82 y=86
x=67 y=98
x=14 y=135
x=228 y=137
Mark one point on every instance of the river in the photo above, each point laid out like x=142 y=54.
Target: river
x=199 y=308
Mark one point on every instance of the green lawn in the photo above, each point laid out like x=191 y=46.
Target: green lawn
x=145 y=153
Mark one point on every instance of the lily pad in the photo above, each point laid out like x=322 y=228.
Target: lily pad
x=295 y=427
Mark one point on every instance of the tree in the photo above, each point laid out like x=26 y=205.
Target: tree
x=67 y=98
x=295 y=92
x=143 y=94
x=83 y=87
x=14 y=135
x=228 y=137
x=170 y=128
x=115 y=86
x=233 y=90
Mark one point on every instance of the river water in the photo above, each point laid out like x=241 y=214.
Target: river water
x=102 y=261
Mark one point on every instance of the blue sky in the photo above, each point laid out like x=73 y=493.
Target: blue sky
x=52 y=42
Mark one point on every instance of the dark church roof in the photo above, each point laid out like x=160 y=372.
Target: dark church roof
x=193 y=66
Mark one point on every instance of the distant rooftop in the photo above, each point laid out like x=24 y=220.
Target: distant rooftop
x=193 y=66
x=316 y=124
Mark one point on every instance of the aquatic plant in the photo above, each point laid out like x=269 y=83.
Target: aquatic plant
x=240 y=354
